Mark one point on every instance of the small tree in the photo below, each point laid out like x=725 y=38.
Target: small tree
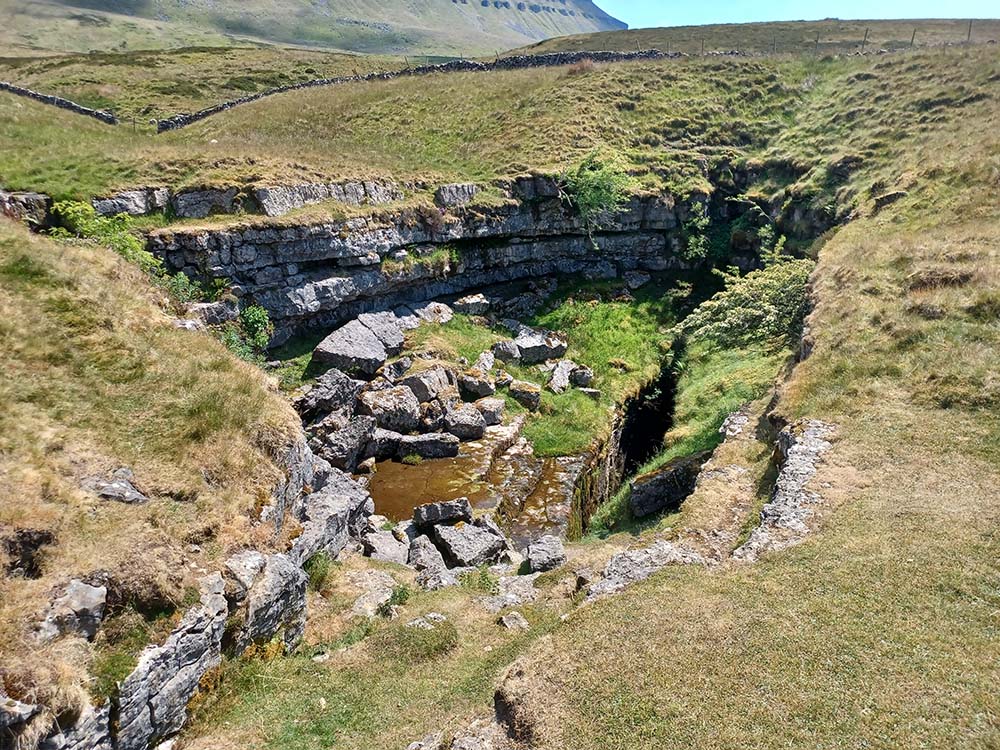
x=596 y=188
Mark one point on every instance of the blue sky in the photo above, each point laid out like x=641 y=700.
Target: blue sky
x=637 y=13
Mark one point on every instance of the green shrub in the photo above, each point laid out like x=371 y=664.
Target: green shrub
x=764 y=308
x=317 y=568
x=482 y=580
x=695 y=234
x=81 y=220
x=257 y=326
x=597 y=187
x=400 y=596
x=413 y=460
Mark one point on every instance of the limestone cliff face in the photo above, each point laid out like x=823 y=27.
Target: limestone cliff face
x=319 y=275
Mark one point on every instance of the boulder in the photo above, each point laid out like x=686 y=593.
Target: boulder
x=492 y=410
x=539 y=346
x=433 y=312
x=344 y=448
x=120 y=488
x=432 y=416
x=215 y=313
x=526 y=394
x=466 y=545
x=333 y=394
x=559 y=379
x=394 y=371
x=451 y=511
x=485 y=362
x=465 y=422
x=90 y=730
x=456 y=194
x=427 y=384
x=594 y=393
x=581 y=376
x=330 y=517
x=354 y=349
x=275 y=603
x=384 y=546
x=384 y=444
x=395 y=408
x=476 y=383
x=667 y=487
x=506 y=351
x=545 y=554
x=423 y=555
x=387 y=329
x=636 y=279
x=513 y=621
x=79 y=611
x=515 y=591
x=474 y=304
x=430 y=445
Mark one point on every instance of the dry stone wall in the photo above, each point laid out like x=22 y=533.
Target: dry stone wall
x=58 y=101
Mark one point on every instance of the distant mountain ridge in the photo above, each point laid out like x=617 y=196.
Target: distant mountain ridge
x=428 y=27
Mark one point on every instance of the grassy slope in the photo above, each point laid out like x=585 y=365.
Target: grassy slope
x=664 y=117
x=790 y=37
x=371 y=26
x=94 y=377
x=157 y=84
x=880 y=631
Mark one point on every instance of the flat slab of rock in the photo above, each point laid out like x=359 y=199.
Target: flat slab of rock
x=526 y=394
x=667 y=487
x=430 y=445
x=466 y=545
x=387 y=329
x=492 y=410
x=433 y=312
x=513 y=621
x=474 y=304
x=539 y=346
x=427 y=384
x=559 y=380
x=120 y=488
x=506 y=351
x=394 y=408
x=476 y=383
x=452 y=511
x=626 y=568
x=546 y=553
x=79 y=611
x=465 y=422
x=384 y=546
x=354 y=349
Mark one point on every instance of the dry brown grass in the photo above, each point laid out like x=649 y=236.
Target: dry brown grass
x=95 y=377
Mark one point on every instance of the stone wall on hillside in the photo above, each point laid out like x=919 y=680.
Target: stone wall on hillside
x=57 y=101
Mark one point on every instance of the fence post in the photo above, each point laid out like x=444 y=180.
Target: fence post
x=702 y=47
x=816 y=48
x=913 y=38
x=968 y=38
x=774 y=45
x=864 y=42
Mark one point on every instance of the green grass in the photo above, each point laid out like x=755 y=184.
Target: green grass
x=836 y=36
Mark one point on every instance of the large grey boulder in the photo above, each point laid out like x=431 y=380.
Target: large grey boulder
x=79 y=611
x=387 y=329
x=153 y=699
x=474 y=304
x=275 y=603
x=476 y=383
x=451 y=511
x=559 y=380
x=545 y=554
x=433 y=312
x=465 y=422
x=384 y=444
x=354 y=349
x=427 y=384
x=467 y=545
x=215 y=313
x=667 y=487
x=423 y=555
x=344 y=448
x=90 y=730
x=384 y=546
x=120 y=488
x=395 y=408
x=492 y=410
x=333 y=394
x=431 y=445
x=539 y=346
x=330 y=516
x=630 y=566
x=506 y=351
x=527 y=394
x=582 y=376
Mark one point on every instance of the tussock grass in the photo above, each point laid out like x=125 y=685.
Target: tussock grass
x=95 y=377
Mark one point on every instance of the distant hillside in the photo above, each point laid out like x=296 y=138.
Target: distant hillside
x=427 y=27
x=834 y=35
